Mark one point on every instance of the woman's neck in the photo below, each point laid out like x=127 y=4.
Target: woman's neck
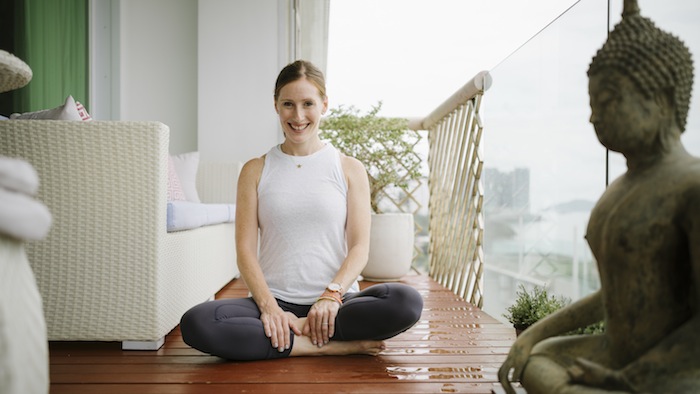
x=304 y=149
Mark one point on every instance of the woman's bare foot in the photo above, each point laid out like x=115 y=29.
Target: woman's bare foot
x=303 y=346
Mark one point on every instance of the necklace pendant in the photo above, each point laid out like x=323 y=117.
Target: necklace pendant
x=298 y=165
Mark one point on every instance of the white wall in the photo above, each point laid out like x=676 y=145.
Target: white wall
x=205 y=68
x=242 y=46
x=158 y=66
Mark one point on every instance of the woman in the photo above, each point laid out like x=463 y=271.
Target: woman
x=308 y=206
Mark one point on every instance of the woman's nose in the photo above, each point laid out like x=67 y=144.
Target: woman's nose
x=298 y=113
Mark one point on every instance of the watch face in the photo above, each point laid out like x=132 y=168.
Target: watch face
x=334 y=287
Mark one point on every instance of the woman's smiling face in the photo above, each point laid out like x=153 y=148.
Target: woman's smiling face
x=300 y=107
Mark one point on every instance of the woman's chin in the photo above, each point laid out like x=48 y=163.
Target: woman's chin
x=298 y=137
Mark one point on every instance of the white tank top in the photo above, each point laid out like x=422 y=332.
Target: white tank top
x=302 y=212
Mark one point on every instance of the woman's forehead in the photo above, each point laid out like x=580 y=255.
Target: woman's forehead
x=299 y=89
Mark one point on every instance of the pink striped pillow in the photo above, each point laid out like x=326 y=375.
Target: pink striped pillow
x=70 y=110
x=175 y=192
x=82 y=112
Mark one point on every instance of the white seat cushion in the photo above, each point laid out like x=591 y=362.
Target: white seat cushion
x=185 y=215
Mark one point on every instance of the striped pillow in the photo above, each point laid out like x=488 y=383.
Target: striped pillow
x=175 y=192
x=70 y=110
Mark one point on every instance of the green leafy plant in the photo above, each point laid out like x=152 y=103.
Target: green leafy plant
x=595 y=328
x=531 y=306
x=384 y=145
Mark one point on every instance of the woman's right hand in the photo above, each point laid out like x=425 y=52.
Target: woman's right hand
x=277 y=324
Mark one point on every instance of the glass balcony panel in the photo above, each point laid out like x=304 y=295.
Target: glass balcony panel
x=544 y=167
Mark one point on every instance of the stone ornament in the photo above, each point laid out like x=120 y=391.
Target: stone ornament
x=644 y=233
x=14 y=73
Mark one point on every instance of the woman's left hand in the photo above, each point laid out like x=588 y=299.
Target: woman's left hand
x=320 y=322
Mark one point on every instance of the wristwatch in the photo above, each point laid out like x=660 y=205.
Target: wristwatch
x=334 y=287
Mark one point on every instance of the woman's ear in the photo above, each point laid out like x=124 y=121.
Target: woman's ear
x=276 y=110
x=325 y=105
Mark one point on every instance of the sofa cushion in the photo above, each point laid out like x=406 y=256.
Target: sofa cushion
x=175 y=192
x=70 y=110
x=186 y=165
x=84 y=115
x=186 y=215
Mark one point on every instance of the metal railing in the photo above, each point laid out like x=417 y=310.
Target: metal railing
x=455 y=162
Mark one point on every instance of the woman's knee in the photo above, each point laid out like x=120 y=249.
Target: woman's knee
x=407 y=300
x=192 y=325
x=413 y=297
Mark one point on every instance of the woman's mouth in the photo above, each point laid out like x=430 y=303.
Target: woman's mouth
x=300 y=127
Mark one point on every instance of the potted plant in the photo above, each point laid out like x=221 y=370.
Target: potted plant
x=386 y=148
x=531 y=306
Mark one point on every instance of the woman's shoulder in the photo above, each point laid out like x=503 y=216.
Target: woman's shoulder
x=353 y=170
x=254 y=163
x=252 y=169
x=351 y=166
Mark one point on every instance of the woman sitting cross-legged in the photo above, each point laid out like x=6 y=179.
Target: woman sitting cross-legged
x=302 y=238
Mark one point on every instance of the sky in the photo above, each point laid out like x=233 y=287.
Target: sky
x=413 y=54
x=390 y=50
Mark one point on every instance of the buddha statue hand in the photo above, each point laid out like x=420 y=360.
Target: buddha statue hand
x=592 y=374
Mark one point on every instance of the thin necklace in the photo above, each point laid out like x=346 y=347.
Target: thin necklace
x=291 y=157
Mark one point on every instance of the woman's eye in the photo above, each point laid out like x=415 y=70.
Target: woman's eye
x=288 y=105
x=309 y=103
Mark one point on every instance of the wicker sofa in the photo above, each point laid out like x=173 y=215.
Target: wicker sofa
x=109 y=270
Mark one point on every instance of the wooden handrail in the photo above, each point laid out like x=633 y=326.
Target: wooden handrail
x=479 y=84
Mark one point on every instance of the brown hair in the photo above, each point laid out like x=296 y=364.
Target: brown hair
x=298 y=70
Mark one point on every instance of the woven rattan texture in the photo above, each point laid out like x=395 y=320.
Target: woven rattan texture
x=108 y=269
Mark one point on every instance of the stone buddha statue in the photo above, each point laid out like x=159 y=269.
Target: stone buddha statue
x=644 y=233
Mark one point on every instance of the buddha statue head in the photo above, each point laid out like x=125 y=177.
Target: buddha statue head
x=654 y=60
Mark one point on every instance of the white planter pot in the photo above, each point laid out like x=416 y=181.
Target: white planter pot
x=390 y=247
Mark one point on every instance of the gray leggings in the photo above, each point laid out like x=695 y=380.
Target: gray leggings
x=232 y=329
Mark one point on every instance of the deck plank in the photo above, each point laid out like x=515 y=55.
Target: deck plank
x=454 y=348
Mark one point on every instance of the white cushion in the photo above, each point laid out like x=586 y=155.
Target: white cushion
x=185 y=215
x=186 y=165
x=70 y=110
x=175 y=192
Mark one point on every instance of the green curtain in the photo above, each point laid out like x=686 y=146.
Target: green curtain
x=53 y=41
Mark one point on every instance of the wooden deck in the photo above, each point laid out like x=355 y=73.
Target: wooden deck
x=454 y=348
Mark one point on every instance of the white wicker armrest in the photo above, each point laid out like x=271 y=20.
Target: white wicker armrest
x=109 y=270
x=105 y=184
